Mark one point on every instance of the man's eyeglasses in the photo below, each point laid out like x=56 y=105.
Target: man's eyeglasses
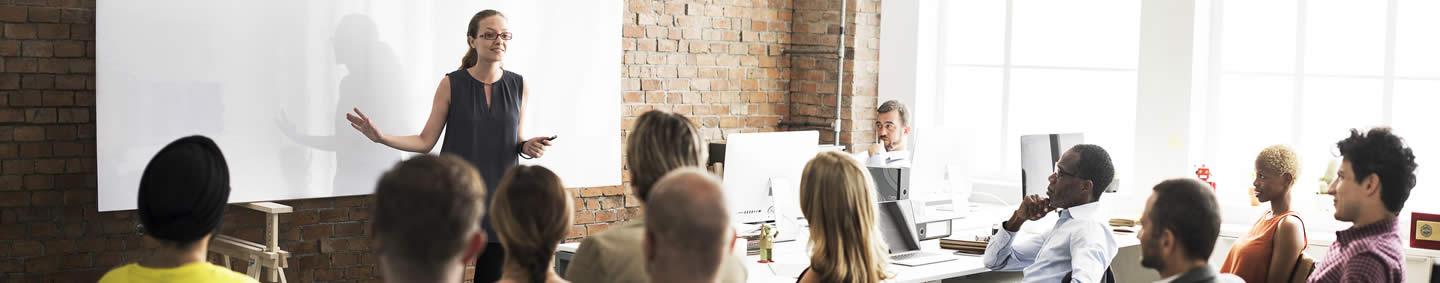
x=492 y=36
x=888 y=126
x=1061 y=172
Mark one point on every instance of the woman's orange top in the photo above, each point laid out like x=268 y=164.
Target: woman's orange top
x=1249 y=258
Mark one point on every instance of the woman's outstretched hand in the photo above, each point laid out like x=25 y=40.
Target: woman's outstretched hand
x=361 y=123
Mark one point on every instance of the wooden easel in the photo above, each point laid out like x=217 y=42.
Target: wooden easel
x=260 y=256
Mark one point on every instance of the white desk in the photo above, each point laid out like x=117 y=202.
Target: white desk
x=792 y=256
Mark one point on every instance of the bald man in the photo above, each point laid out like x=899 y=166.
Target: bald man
x=687 y=231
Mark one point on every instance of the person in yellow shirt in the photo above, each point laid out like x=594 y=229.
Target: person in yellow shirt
x=183 y=192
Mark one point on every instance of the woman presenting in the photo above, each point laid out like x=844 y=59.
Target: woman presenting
x=481 y=106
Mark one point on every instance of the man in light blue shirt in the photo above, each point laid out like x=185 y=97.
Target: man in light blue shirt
x=1079 y=247
x=892 y=126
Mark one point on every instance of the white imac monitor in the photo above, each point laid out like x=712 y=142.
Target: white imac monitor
x=1038 y=154
x=762 y=173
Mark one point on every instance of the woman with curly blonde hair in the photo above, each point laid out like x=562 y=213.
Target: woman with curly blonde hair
x=1273 y=247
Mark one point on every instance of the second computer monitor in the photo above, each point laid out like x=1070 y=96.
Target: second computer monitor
x=1038 y=154
x=891 y=183
x=762 y=173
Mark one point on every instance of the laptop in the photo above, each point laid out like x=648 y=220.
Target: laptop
x=897 y=227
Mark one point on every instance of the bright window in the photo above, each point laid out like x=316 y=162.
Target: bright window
x=1012 y=68
x=1304 y=72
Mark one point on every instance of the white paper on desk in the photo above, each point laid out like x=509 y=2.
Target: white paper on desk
x=787 y=270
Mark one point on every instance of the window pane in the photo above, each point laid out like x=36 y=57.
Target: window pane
x=1252 y=112
x=1416 y=40
x=1345 y=37
x=1100 y=104
x=974 y=31
x=1076 y=33
x=1258 y=36
x=1414 y=120
x=1332 y=106
x=972 y=108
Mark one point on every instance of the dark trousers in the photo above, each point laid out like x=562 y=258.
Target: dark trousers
x=487 y=265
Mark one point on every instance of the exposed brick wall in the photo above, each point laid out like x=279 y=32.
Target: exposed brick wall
x=813 y=88
x=49 y=230
x=723 y=63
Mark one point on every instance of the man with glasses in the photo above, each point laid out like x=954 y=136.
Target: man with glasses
x=892 y=125
x=1079 y=247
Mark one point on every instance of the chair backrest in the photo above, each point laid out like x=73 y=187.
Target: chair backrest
x=1303 y=267
x=1109 y=277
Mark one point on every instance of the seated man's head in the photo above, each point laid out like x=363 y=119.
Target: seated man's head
x=1275 y=171
x=1081 y=175
x=892 y=125
x=1375 y=176
x=183 y=193
x=1179 y=226
x=660 y=142
x=427 y=218
x=687 y=228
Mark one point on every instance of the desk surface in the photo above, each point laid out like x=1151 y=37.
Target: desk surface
x=793 y=257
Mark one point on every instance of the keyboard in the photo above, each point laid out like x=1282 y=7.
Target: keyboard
x=921 y=258
x=921 y=254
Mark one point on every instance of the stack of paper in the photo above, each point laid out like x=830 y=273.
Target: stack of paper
x=964 y=246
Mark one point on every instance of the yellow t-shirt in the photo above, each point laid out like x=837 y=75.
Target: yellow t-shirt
x=193 y=272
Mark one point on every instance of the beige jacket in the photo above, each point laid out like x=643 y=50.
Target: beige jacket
x=617 y=255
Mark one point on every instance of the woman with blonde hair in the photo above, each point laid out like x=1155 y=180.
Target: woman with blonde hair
x=1273 y=247
x=531 y=213
x=835 y=196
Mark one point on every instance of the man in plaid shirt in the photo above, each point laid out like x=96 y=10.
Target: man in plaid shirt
x=1371 y=187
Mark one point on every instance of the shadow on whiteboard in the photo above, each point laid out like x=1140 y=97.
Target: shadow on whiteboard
x=371 y=85
x=272 y=93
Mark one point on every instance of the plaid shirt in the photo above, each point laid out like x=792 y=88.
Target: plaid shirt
x=1370 y=253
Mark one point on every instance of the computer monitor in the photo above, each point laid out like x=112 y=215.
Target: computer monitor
x=762 y=173
x=1038 y=154
x=897 y=226
x=891 y=183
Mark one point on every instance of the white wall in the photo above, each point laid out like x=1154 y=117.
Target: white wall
x=910 y=42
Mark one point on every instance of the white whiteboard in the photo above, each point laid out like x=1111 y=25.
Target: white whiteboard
x=271 y=80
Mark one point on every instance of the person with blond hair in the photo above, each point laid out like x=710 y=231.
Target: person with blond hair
x=836 y=198
x=1273 y=247
x=531 y=213
x=659 y=143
